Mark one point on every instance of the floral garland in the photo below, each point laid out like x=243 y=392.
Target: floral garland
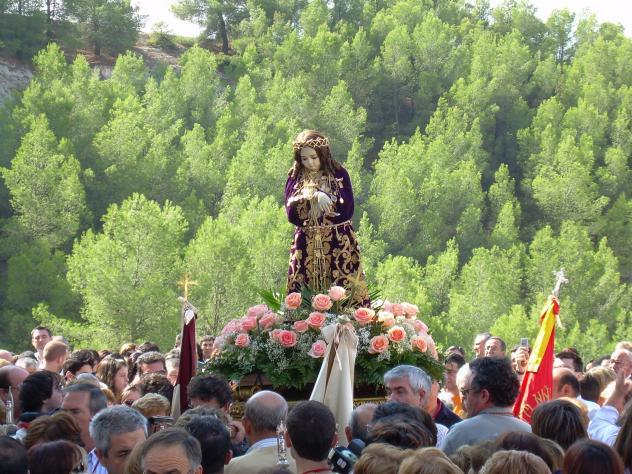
x=286 y=345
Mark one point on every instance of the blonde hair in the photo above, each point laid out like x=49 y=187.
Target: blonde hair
x=515 y=461
x=380 y=458
x=54 y=350
x=428 y=461
x=152 y=404
x=604 y=376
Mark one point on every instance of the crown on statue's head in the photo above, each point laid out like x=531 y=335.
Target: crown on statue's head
x=315 y=142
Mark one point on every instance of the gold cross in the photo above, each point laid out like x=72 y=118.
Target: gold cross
x=185 y=283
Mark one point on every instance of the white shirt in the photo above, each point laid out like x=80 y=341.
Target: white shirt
x=602 y=426
x=94 y=465
x=442 y=432
x=264 y=443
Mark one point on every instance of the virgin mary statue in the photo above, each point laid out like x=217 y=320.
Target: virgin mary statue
x=319 y=202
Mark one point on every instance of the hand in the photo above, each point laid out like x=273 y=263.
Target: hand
x=322 y=205
x=237 y=432
x=621 y=389
x=521 y=356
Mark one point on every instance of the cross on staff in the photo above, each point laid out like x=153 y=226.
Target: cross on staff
x=185 y=283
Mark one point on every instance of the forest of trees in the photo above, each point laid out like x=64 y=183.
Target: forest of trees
x=487 y=149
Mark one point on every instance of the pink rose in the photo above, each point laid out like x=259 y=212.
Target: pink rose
x=293 y=300
x=301 y=326
x=336 y=293
x=386 y=318
x=242 y=340
x=275 y=335
x=316 y=320
x=219 y=343
x=248 y=323
x=410 y=310
x=231 y=326
x=318 y=349
x=287 y=338
x=378 y=344
x=432 y=347
x=419 y=343
x=364 y=315
x=267 y=320
x=396 y=334
x=420 y=327
x=321 y=302
x=257 y=311
x=397 y=309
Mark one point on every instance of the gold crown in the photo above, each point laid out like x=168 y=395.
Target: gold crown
x=316 y=142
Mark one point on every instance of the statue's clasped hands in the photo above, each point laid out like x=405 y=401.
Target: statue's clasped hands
x=321 y=205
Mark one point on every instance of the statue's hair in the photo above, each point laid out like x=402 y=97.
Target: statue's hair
x=320 y=143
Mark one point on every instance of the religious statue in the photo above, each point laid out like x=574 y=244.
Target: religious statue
x=319 y=202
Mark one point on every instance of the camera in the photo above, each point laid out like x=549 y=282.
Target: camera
x=342 y=459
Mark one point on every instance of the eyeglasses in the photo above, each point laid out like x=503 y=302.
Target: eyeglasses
x=464 y=392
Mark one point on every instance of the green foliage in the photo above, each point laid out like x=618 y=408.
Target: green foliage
x=126 y=274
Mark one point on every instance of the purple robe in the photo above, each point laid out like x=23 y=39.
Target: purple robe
x=325 y=254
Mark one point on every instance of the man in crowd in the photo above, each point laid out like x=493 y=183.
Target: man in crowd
x=214 y=392
x=79 y=362
x=359 y=421
x=11 y=378
x=207 y=347
x=83 y=401
x=489 y=388
x=262 y=415
x=6 y=355
x=621 y=360
x=214 y=440
x=55 y=354
x=566 y=384
x=171 y=451
x=116 y=431
x=450 y=393
x=150 y=363
x=172 y=364
x=40 y=336
x=411 y=385
x=479 y=344
x=570 y=359
x=495 y=347
x=311 y=433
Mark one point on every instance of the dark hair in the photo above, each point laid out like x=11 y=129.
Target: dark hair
x=503 y=344
x=12 y=456
x=61 y=425
x=455 y=357
x=41 y=328
x=156 y=383
x=150 y=358
x=311 y=427
x=209 y=387
x=214 y=441
x=78 y=359
x=305 y=139
x=623 y=444
x=97 y=400
x=391 y=411
x=578 y=363
x=404 y=434
x=175 y=436
x=558 y=420
x=589 y=387
x=148 y=347
x=587 y=457
x=36 y=388
x=55 y=457
x=568 y=378
x=524 y=441
x=107 y=370
x=497 y=377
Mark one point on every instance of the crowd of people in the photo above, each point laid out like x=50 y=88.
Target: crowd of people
x=100 y=412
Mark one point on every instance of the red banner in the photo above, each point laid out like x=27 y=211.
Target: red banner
x=537 y=384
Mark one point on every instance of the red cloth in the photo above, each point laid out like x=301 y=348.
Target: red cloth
x=537 y=384
x=188 y=362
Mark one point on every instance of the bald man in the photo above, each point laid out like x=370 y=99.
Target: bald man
x=361 y=416
x=263 y=413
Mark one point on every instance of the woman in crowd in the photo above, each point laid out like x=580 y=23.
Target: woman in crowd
x=558 y=420
x=113 y=372
x=590 y=457
x=56 y=457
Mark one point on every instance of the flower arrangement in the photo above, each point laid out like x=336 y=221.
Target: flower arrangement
x=283 y=341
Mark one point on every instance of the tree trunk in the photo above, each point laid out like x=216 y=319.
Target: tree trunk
x=223 y=33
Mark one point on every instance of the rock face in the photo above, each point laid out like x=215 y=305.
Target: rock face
x=13 y=75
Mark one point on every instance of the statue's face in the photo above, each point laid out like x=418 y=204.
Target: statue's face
x=310 y=159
